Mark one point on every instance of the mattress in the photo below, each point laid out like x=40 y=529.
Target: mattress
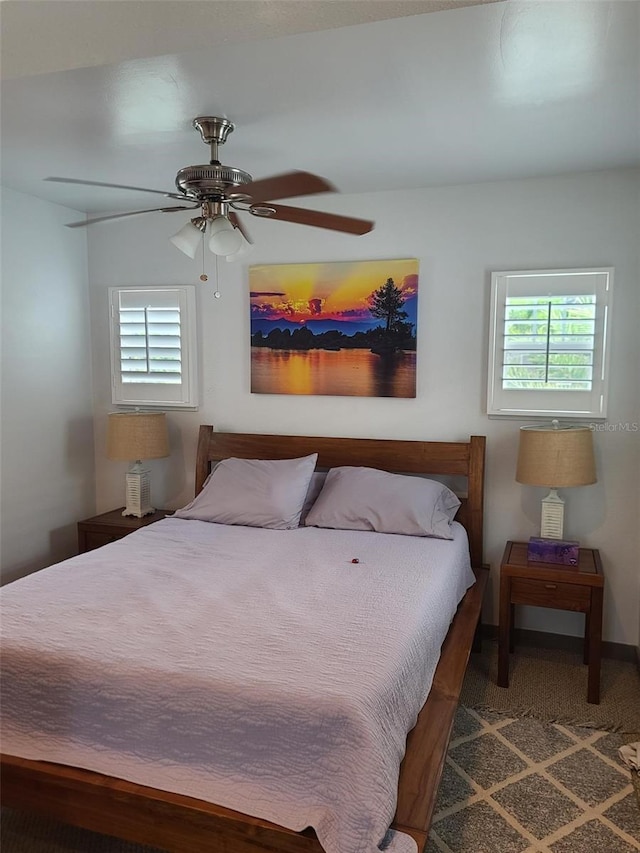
x=272 y=672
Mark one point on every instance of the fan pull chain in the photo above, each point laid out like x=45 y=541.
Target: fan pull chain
x=216 y=293
x=204 y=276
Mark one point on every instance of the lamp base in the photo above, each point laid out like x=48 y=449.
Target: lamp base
x=138 y=492
x=552 y=516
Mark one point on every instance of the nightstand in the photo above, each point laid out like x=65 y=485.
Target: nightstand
x=109 y=526
x=578 y=588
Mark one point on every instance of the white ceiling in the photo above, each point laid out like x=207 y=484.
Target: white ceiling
x=475 y=93
x=39 y=36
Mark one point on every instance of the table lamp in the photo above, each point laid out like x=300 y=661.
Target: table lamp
x=137 y=436
x=555 y=456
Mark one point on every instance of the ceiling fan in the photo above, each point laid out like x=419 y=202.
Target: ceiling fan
x=219 y=191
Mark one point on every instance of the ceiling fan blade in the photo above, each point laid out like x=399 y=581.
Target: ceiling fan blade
x=113 y=186
x=315 y=217
x=287 y=185
x=131 y=213
x=235 y=219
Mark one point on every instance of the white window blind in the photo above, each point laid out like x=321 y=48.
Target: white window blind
x=548 y=342
x=153 y=352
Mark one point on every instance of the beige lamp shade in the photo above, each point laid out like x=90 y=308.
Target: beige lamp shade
x=137 y=435
x=556 y=456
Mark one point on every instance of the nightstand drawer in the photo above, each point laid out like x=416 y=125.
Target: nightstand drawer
x=539 y=593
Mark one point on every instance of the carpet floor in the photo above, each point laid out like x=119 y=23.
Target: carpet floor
x=526 y=771
x=551 y=685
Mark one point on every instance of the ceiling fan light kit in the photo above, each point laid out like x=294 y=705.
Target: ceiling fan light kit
x=221 y=190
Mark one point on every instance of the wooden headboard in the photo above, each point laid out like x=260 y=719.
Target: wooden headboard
x=440 y=458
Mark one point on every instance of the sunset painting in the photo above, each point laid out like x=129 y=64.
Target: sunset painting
x=345 y=328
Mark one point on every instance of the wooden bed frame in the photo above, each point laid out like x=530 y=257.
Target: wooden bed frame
x=182 y=824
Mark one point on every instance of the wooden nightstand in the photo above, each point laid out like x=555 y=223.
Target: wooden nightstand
x=577 y=588
x=109 y=526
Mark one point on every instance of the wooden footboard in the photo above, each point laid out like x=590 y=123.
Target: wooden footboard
x=182 y=824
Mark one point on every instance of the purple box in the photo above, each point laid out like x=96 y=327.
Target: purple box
x=566 y=553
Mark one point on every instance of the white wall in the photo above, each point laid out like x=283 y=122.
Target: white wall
x=48 y=476
x=460 y=234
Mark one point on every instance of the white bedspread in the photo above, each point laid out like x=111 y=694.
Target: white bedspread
x=261 y=670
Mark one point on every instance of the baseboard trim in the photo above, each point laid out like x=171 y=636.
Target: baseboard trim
x=615 y=651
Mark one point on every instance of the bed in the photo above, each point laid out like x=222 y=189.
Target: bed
x=178 y=822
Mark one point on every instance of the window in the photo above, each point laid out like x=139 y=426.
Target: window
x=153 y=346
x=548 y=347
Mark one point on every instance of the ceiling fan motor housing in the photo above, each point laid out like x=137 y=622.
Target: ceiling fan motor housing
x=211 y=182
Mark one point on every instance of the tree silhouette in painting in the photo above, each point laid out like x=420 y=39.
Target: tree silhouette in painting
x=386 y=303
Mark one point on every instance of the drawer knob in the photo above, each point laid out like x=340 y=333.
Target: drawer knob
x=551 y=586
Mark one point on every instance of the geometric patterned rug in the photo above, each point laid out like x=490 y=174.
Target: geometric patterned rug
x=523 y=786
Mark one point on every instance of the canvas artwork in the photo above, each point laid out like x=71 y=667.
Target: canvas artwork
x=345 y=328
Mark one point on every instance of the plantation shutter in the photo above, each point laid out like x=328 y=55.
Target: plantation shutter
x=153 y=346
x=548 y=343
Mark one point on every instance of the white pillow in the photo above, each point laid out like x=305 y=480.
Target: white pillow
x=368 y=499
x=254 y=493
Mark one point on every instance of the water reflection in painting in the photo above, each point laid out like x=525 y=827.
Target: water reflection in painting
x=337 y=329
x=357 y=373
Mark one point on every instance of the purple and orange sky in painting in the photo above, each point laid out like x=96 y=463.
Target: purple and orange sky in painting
x=327 y=291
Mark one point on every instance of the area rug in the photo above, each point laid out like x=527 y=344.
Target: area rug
x=516 y=785
x=551 y=685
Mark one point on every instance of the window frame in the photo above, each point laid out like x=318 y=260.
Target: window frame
x=182 y=395
x=562 y=403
